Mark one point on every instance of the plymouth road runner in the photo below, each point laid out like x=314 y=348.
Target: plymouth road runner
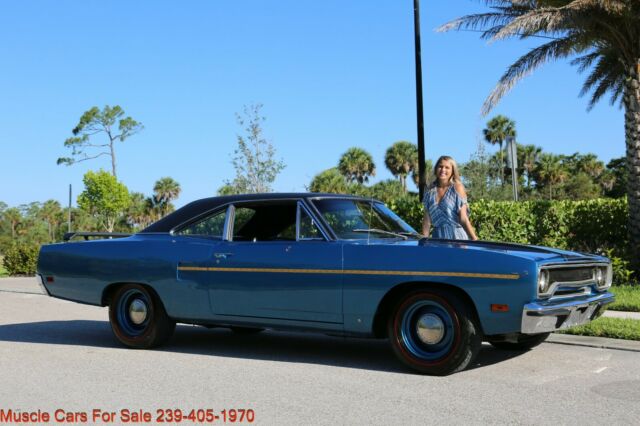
x=331 y=264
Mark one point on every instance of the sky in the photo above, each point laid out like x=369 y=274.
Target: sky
x=331 y=75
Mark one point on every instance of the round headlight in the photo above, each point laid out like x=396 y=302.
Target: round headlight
x=543 y=281
x=601 y=275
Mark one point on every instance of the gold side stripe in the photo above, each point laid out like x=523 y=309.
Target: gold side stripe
x=352 y=272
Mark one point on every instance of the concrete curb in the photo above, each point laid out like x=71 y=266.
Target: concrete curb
x=594 y=342
x=622 y=314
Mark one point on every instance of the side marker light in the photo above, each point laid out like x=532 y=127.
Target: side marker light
x=499 y=308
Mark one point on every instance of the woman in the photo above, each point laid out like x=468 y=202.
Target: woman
x=445 y=204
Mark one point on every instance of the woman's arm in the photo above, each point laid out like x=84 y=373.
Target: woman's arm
x=464 y=213
x=426 y=223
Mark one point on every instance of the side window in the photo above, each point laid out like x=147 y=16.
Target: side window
x=241 y=232
x=265 y=221
x=308 y=228
x=211 y=226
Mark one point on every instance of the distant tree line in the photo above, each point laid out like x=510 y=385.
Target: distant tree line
x=104 y=205
x=541 y=175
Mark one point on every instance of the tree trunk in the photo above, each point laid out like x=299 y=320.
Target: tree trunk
x=632 y=136
x=113 y=153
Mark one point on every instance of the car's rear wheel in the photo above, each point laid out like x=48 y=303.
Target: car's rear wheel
x=434 y=332
x=138 y=318
x=524 y=342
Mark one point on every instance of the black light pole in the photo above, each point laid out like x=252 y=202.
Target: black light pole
x=421 y=171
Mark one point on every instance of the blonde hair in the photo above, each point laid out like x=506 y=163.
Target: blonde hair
x=455 y=172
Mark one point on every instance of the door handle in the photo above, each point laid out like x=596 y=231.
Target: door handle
x=222 y=255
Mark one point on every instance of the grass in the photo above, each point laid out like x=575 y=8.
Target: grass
x=614 y=328
x=627 y=298
x=3 y=272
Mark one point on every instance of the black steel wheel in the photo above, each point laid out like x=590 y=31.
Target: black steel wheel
x=434 y=332
x=138 y=318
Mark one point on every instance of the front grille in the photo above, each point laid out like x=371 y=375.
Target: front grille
x=566 y=281
x=570 y=275
x=571 y=291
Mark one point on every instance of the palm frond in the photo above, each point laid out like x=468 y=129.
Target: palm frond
x=584 y=62
x=617 y=93
x=606 y=76
x=526 y=64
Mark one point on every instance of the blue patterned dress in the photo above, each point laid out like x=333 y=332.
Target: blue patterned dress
x=445 y=215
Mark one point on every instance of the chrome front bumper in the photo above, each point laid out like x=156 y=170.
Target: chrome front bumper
x=540 y=317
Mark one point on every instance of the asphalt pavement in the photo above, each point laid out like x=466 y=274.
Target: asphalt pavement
x=60 y=358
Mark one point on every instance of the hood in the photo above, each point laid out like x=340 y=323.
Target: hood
x=537 y=253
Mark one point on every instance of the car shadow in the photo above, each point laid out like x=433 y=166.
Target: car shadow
x=311 y=348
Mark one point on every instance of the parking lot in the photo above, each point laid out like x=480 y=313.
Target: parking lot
x=60 y=358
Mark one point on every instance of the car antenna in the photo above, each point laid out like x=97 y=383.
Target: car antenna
x=370 y=217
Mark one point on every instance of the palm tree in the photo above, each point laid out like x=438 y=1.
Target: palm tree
x=14 y=217
x=138 y=213
x=428 y=173
x=51 y=213
x=401 y=159
x=357 y=165
x=602 y=36
x=166 y=190
x=498 y=129
x=549 y=172
x=589 y=164
x=528 y=159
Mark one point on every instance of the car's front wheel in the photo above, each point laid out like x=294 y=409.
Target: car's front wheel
x=434 y=332
x=138 y=318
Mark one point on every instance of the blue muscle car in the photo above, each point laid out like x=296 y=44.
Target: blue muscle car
x=331 y=264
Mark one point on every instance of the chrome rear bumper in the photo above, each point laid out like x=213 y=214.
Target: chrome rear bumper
x=40 y=280
x=540 y=317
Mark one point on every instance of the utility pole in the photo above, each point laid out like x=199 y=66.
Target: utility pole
x=421 y=158
x=512 y=161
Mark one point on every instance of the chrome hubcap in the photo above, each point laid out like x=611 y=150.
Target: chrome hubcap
x=430 y=329
x=138 y=311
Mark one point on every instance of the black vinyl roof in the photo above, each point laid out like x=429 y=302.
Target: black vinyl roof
x=204 y=205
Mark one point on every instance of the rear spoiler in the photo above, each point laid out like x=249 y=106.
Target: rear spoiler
x=86 y=235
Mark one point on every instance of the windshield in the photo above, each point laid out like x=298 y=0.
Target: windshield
x=361 y=220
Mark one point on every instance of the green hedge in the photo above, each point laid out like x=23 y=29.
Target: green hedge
x=21 y=259
x=594 y=226
x=588 y=225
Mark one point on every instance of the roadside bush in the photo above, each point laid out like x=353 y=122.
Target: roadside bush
x=622 y=272
x=594 y=226
x=502 y=221
x=21 y=259
x=410 y=209
x=600 y=225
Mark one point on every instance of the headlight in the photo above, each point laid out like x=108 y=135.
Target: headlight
x=543 y=281
x=603 y=276
x=600 y=275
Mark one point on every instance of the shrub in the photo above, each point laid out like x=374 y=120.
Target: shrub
x=622 y=272
x=503 y=221
x=594 y=226
x=21 y=259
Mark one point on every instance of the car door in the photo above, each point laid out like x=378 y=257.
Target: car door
x=276 y=263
